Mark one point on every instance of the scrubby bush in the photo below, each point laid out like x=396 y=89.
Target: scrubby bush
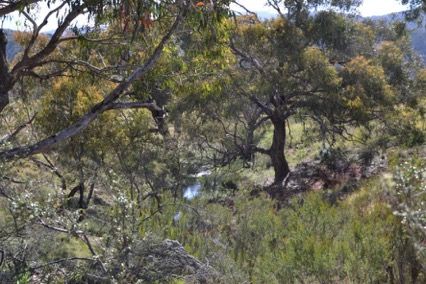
x=409 y=192
x=358 y=240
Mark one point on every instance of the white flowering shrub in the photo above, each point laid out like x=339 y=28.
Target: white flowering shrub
x=410 y=202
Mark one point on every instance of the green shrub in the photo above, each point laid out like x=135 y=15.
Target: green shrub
x=357 y=240
x=409 y=203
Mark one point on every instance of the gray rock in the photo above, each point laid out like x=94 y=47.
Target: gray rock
x=153 y=261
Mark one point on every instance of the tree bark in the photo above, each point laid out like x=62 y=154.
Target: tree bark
x=4 y=100
x=89 y=196
x=4 y=72
x=276 y=152
x=14 y=6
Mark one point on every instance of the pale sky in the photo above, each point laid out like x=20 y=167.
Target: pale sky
x=368 y=8
x=379 y=7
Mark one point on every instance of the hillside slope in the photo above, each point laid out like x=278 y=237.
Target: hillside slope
x=418 y=32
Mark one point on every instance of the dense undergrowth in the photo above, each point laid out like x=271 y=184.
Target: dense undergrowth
x=177 y=142
x=356 y=240
x=373 y=235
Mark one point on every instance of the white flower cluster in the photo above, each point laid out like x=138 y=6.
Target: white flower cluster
x=410 y=192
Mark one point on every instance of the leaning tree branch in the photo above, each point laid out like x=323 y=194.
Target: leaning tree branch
x=255 y=62
x=15 y=6
x=46 y=18
x=246 y=10
x=37 y=28
x=108 y=41
x=45 y=144
x=47 y=76
x=70 y=64
x=276 y=6
x=30 y=62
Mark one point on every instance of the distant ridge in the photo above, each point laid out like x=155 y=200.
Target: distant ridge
x=12 y=47
x=418 y=32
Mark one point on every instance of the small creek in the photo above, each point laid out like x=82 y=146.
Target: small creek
x=193 y=190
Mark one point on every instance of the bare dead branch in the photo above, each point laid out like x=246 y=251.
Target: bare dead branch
x=10 y=136
x=59 y=229
x=12 y=180
x=89 y=245
x=246 y=9
x=53 y=262
x=132 y=105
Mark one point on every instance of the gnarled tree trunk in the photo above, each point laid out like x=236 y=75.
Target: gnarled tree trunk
x=276 y=152
x=4 y=72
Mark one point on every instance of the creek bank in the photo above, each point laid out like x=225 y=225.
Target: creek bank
x=341 y=175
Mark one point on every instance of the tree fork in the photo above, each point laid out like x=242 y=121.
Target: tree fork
x=80 y=189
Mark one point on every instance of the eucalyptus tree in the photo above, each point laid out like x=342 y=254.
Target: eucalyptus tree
x=319 y=66
x=44 y=58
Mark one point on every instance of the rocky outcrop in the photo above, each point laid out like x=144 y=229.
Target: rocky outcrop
x=159 y=262
x=147 y=261
x=341 y=175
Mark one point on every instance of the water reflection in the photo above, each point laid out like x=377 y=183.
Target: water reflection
x=193 y=190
